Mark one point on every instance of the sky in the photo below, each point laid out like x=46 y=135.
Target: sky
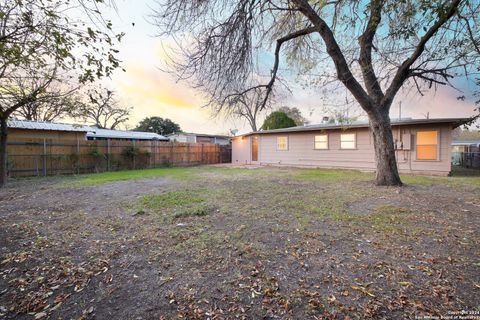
x=153 y=92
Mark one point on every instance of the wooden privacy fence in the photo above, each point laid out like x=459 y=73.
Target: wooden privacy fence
x=29 y=157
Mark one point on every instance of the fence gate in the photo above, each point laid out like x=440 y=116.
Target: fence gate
x=225 y=154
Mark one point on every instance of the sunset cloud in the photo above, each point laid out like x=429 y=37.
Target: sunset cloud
x=153 y=92
x=442 y=103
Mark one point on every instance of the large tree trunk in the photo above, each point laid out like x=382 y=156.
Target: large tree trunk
x=3 y=152
x=387 y=171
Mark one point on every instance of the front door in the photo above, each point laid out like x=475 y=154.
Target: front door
x=254 y=148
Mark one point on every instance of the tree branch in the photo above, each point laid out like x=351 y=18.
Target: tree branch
x=366 y=45
x=333 y=49
x=274 y=71
x=403 y=70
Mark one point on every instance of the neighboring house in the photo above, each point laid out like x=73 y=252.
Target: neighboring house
x=466 y=153
x=24 y=129
x=466 y=146
x=104 y=134
x=199 y=138
x=18 y=129
x=422 y=146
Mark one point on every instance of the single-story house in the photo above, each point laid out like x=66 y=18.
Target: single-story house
x=104 y=134
x=49 y=130
x=46 y=130
x=423 y=146
x=199 y=138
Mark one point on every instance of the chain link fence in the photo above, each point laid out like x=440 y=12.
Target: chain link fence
x=466 y=159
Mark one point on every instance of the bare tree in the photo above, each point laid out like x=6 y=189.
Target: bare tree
x=16 y=93
x=53 y=104
x=372 y=48
x=246 y=106
x=39 y=41
x=344 y=115
x=102 y=109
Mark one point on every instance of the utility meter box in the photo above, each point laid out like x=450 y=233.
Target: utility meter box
x=407 y=141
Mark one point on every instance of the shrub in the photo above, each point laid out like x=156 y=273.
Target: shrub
x=96 y=153
x=75 y=159
x=98 y=158
x=130 y=152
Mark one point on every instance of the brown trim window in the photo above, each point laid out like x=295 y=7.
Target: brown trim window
x=427 y=145
x=321 y=142
x=282 y=143
x=348 y=141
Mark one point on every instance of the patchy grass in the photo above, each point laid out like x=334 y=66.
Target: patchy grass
x=455 y=181
x=179 y=204
x=470 y=180
x=459 y=179
x=388 y=219
x=331 y=175
x=172 y=199
x=199 y=210
x=240 y=243
x=114 y=176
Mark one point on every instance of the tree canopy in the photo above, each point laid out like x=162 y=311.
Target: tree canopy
x=278 y=120
x=42 y=41
x=369 y=49
x=295 y=114
x=53 y=104
x=158 y=125
x=100 y=107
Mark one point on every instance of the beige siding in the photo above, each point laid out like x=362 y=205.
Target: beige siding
x=241 y=150
x=407 y=160
x=301 y=150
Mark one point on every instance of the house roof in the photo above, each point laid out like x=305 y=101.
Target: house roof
x=360 y=124
x=92 y=132
x=119 y=134
x=198 y=135
x=43 y=125
x=465 y=142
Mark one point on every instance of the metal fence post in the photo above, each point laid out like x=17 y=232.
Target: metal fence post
x=155 y=150
x=79 y=157
x=134 y=155
x=108 y=154
x=151 y=153
x=44 y=157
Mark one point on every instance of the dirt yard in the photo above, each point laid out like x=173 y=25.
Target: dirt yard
x=228 y=243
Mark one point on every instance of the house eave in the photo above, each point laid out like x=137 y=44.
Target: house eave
x=456 y=122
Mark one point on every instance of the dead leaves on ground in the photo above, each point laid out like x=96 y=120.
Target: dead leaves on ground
x=39 y=287
x=363 y=288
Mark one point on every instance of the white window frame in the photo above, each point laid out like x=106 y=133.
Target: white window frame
x=354 y=141
x=315 y=141
x=286 y=143
x=437 y=149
